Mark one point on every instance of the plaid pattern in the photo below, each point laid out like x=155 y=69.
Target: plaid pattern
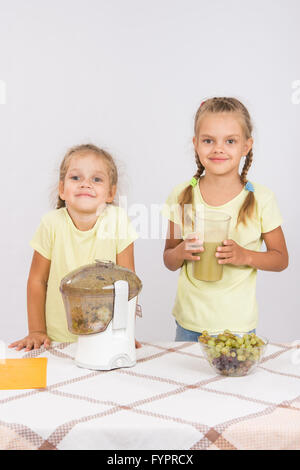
x=171 y=399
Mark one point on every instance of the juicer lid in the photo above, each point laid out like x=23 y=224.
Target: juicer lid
x=98 y=279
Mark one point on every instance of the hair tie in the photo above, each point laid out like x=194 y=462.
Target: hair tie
x=193 y=182
x=249 y=187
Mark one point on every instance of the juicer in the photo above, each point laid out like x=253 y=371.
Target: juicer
x=100 y=300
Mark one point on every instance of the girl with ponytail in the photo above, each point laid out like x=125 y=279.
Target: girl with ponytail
x=222 y=139
x=86 y=225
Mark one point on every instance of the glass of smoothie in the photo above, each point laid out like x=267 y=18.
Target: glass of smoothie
x=212 y=229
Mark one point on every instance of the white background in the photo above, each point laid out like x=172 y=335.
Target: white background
x=129 y=76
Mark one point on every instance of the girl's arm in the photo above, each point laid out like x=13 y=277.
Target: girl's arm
x=276 y=258
x=126 y=258
x=36 y=299
x=177 y=250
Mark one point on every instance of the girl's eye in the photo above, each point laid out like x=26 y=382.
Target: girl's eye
x=96 y=179
x=208 y=141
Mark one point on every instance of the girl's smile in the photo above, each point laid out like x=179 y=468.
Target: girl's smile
x=219 y=159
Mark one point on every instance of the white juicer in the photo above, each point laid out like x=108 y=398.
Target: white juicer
x=100 y=301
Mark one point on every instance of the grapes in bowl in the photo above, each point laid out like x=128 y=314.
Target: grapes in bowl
x=233 y=353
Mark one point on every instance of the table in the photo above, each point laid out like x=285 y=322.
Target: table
x=171 y=399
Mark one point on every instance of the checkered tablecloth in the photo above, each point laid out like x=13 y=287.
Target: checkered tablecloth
x=171 y=399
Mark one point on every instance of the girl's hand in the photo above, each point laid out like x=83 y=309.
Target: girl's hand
x=187 y=247
x=33 y=341
x=137 y=345
x=232 y=253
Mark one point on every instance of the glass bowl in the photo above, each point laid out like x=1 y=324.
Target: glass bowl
x=233 y=353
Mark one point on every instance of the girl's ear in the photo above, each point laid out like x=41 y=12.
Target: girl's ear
x=248 y=145
x=61 y=190
x=112 y=193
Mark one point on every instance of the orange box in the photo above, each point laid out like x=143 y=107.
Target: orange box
x=22 y=374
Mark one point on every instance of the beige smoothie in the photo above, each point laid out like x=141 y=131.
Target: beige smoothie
x=208 y=268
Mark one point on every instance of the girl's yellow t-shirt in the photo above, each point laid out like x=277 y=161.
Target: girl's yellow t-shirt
x=231 y=302
x=68 y=248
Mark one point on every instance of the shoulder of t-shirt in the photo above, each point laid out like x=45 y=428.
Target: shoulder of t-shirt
x=262 y=193
x=54 y=218
x=116 y=214
x=115 y=209
x=176 y=190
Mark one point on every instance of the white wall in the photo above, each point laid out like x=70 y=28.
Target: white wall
x=129 y=76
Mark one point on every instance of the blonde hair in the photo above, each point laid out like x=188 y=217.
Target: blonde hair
x=224 y=105
x=82 y=150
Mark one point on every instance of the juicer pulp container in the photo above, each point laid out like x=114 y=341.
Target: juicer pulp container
x=100 y=302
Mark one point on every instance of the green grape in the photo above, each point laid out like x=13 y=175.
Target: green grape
x=222 y=337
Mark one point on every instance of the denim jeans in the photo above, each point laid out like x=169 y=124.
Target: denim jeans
x=187 y=335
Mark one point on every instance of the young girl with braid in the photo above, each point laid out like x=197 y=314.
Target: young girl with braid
x=222 y=139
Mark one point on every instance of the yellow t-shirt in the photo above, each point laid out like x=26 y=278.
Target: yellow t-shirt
x=231 y=302
x=68 y=248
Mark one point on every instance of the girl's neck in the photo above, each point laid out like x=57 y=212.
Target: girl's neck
x=217 y=190
x=221 y=183
x=82 y=221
